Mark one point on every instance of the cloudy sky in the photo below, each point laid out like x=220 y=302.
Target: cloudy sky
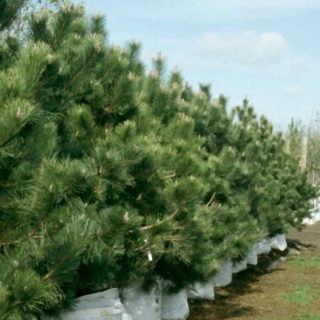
x=268 y=50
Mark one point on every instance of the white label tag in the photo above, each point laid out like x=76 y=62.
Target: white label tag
x=149 y=256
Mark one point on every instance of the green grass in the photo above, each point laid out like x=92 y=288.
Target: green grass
x=301 y=295
x=307 y=262
x=305 y=315
x=304 y=295
x=308 y=316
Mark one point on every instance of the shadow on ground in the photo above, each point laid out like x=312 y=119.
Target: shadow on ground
x=242 y=298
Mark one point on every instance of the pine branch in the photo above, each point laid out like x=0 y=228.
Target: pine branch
x=72 y=184
x=41 y=171
x=170 y=176
x=98 y=237
x=152 y=169
x=58 y=265
x=208 y=204
x=101 y=80
x=60 y=32
x=173 y=215
x=10 y=15
x=110 y=108
x=21 y=157
x=73 y=80
x=15 y=242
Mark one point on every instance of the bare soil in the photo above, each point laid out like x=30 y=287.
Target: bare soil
x=257 y=293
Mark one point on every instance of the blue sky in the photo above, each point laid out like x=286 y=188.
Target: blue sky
x=268 y=50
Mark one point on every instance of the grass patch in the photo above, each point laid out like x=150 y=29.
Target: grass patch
x=301 y=295
x=309 y=316
x=303 y=316
x=307 y=262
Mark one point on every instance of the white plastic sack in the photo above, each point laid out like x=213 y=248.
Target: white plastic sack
x=315 y=213
x=315 y=202
x=142 y=305
x=224 y=276
x=309 y=221
x=279 y=242
x=201 y=291
x=252 y=258
x=104 y=305
x=315 y=217
x=174 y=306
x=239 y=266
x=263 y=246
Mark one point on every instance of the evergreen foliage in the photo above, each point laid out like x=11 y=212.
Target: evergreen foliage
x=103 y=166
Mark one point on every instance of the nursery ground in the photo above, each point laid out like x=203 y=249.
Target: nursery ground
x=283 y=286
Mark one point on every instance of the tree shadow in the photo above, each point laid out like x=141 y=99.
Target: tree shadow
x=227 y=303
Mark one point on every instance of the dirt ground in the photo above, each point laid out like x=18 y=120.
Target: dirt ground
x=257 y=293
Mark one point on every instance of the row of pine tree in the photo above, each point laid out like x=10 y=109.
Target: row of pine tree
x=110 y=174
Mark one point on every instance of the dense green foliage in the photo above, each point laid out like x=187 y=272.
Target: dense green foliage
x=102 y=164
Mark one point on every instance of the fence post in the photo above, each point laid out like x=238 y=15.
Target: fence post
x=287 y=146
x=303 y=161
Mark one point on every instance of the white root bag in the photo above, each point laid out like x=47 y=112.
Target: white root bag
x=263 y=246
x=252 y=258
x=201 y=291
x=279 y=242
x=155 y=305
x=141 y=305
x=315 y=217
x=239 y=266
x=104 y=305
x=174 y=306
x=315 y=213
x=224 y=276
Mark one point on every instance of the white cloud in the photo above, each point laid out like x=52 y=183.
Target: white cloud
x=247 y=47
x=293 y=91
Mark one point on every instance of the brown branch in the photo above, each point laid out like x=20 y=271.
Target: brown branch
x=107 y=73
x=113 y=101
x=189 y=163
x=61 y=29
x=173 y=215
x=72 y=184
x=73 y=80
x=41 y=170
x=152 y=169
x=208 y=204
x=14 y=242
x=168 y=177
x=2 y=244
x=58 y=265
x=18 y=159
x=32 y=234
x=98 y=237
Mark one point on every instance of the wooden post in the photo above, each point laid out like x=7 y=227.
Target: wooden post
x=287 y=146
x=313 y=176
x=303 y=161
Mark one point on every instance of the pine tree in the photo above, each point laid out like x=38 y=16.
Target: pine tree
x=90 y=183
